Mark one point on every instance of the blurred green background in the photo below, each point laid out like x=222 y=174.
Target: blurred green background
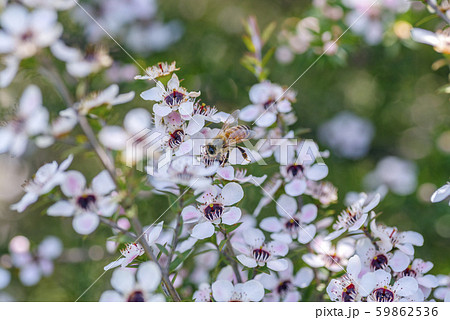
x=393 y=85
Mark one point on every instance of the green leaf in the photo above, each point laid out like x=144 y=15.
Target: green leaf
x=267 y=33
x=267 y=56
x=162 y=249
x=248 y=43
x=179 y=260
x=231 y=228
x=222 y=244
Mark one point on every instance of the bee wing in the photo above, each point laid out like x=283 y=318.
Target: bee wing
x=240 y=134
x=231 y=121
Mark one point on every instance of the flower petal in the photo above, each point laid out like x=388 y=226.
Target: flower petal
x=203 y=230
x=190 y=214
x=278 y=265
x=296 y=187
x=232 y=216
x=222 y=290
x=122 y=280
x=85 y=223
x=73 y=183
x=232 y=193
x=246 y=261
x=271 y=224
x=103 y=183
x=61 y=208
x=149 y=275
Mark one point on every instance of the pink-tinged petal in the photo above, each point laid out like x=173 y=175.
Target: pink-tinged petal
x=296 y=187
x=190 y=214
x=153 y=233
x=148 y=275
x=209 y=195
x=405 y=286
x=278 y=248
x=308 y=213
x=161 y=109
x=317 y=172
x=306 y=233
x=254 y=237
x=334 y=235
x=358 y=223
x=111 y=296
x=271 y=224
x=73 y=184
x=254 y=290
x=242 y=248
x=85 y=223
x=266 y=119
x=232 y=193
x=184 y=148
x=284 y=106
x=30 y=101
x=66 y=163
x=373 y=203
x=186 y=108
x=122 y=280
x=114 y=264
x=282 y=237
x=304 y=277
x=313 y=260
x=195 y=125
x=428 y=281
x=334 y=290
x=65 y=53
x=247 y=261
x=154 y=94
x=354 y=266
x=137 y=120
x=203 y=230
x=173 y=83
x=231 y=216
x=222 y=290
x=27 y=199
x=441 y=194
x=367 y=283
x=103 y=183
x=286 y=206
x=15 y=19
x=61 y=208
x=277 y=265
x=383 y=278
x=226 y=173
x=406 y=248
x=412 y=237
x=424 y=36
x=399 y=261
x=249 y=113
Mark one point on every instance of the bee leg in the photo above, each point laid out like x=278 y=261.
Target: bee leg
x=225 y=158
x=244 y=153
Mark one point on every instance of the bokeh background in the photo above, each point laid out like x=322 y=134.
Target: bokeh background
x=388 y=94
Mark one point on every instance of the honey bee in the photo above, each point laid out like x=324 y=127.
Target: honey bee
x=219 y=148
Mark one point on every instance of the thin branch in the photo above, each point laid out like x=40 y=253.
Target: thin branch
x=114 y=225
x=438 y=11
x=148 y=250
x=175 y=238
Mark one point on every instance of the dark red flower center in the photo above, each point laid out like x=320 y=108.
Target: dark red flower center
x=261 y=255
x=174 y=98
x=284 y=287
x=379 y=262
x=86 y=200
x=176 y=138
x=292 y=225
x=136 y=296
x=408 y=272
x=295 y=170
x=383 y=295
x=348 y=294
x=213 y=211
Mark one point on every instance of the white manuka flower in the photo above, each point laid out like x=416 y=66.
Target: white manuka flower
x=390 y=237
x=401 y=290
x=324 y=191
x=159 y=70
x=350 y=287
x=301 y=168
x=34 y=265
x=174 y=98
x=24 y=32
x=353 y=217
x=376 y=259
x=5 y=278
x=216 y=206
x=284 y=286
x=443 y=291
x=30 y=120
x=268 y=100
x=46 y=178
x=225 y=291
x=417 y=270
x=441 y=194
x=81 y=64
x=134 y=250
x=136 y=131
x=255 y=252
x=334 y=258
x=50 y=4
x=439 y=40
x=85 y=204
x=203 y=294
x=127 y=289
x=108 y=97
x=8 y=73
x=293 y=224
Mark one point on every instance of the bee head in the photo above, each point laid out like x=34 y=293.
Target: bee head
x=211 y=149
